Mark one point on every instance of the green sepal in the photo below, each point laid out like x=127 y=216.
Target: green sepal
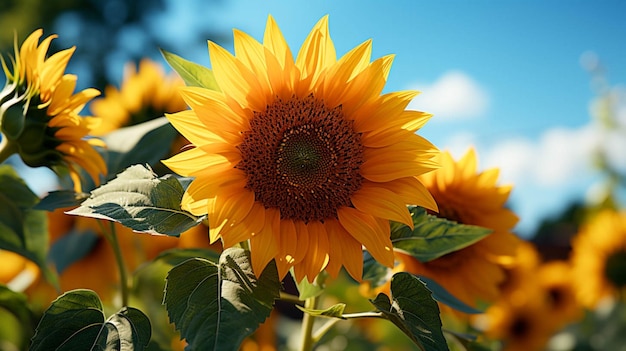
x=193 y=74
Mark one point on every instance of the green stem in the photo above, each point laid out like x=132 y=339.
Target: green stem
x=111 y=236
x=317 y=336
x=7 y=148
x=290 y=298
x=306 y=341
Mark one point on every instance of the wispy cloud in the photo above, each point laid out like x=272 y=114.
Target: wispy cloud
x=454 y=95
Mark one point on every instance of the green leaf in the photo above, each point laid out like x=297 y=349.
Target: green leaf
x=139 y=200
x=75 y=321
x=334 y=311
x=72 y=247
x=22 y=229
x=433 y=237
x=442 y=295
x=139 y=144
x=215 y=306
x=193 y=74
x=60 y=199
x=20 y=318
x=413 y=310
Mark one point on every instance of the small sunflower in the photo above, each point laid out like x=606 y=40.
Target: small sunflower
x=40 y=112
x=599 y=257
x=146 y=93
x=305 y=158
x=472 y=274
x=520 y=327
x=556 y=280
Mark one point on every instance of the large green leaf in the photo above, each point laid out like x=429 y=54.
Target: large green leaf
x=433 y=237
x=22 y=229
x=75 y=321
x=413 y=310
x=215 y=306
x=147 y=142
x=193 y=74
x=16 y=319
x=139 y=200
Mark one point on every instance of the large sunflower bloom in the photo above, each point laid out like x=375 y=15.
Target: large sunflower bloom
x=146 y=93
x=305 y=157
x=46 y=129
x=599 y=255
x=464 y=195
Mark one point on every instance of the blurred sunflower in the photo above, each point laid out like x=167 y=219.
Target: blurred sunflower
x=39 y=112
x=304 y=158
x=520 y=326
x=599 y=257
x=146 y=93
x=474 y=273
x=556 y=281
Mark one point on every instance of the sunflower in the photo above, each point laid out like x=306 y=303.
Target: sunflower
x=39 y=111
x=146 y=93
x=599 y=257
x=556 y=281
x=520 y=326
x=472 y=274
x=305 y=157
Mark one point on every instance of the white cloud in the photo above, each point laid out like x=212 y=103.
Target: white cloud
x=455 y=95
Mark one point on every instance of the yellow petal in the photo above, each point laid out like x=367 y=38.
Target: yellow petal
x=344 y=250
x=263 y=246
x=364 y=228
x=381 y=202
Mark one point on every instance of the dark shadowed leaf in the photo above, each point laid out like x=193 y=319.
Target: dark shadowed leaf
x=375 y=273
x=413 y=310
x=22 y=229
x=193 y=74
x=139 y=200
x=433 y=237
x=60 y=199
x=215 y=306
x=442 y=295
x=71 y=248
x=75 y=321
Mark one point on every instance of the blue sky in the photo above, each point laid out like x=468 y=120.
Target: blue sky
x=504 y=77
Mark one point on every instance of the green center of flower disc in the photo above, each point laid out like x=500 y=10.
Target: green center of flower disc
x=302 y=158
x=615 y=269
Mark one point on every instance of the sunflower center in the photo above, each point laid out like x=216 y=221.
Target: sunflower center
x=615 y=269
x=302 y=158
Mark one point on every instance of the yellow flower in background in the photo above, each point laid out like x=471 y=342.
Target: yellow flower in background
x=557 y=281
x=467 y=196
x=538 y=299
x=40 y=112
x=305 y=157
x=520 y=327
x=599 y=258
x=146 y=93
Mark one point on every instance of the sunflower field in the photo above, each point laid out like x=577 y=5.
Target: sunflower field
x=277 y=199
